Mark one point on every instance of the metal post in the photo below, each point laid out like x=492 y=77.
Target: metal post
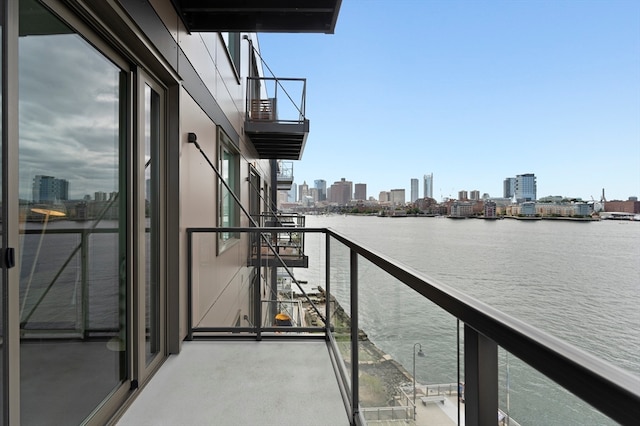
x=420 y=353
x=355 y=397
x=481 y=378
x=327 y=280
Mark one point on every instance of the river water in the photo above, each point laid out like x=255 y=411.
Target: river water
x=579 y=281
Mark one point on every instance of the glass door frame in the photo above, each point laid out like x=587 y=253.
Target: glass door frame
x=144 y=367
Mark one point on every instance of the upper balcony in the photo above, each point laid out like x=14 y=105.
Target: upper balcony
x=275 y=117
x=284 y=16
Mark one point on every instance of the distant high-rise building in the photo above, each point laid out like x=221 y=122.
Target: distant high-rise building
x=341 y=192
x=384 y=197
x=509 y=187
x=397 y=196
x=303 y=190
x=463 y=195
x=414 y=190
x=293 y=193
x=49 y=189
x=100 y=196
x=526 y=188
x=428 y=185
x=321 y=186
x=474 y=195
x=360 y=191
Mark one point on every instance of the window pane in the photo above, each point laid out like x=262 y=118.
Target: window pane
x=72 y=298
x=230 y=172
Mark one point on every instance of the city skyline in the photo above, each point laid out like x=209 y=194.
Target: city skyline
x=472 y=92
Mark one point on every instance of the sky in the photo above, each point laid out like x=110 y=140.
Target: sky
x=473 y=92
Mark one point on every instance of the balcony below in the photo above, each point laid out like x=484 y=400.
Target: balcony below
x=242 y=383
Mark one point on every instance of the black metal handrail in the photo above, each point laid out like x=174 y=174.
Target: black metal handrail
x=611 y=390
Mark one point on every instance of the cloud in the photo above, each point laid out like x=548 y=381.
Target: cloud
x=68 y=114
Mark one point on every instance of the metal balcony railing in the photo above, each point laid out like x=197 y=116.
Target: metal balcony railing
x=275 y=119
x=285 y=175
x=476 y=335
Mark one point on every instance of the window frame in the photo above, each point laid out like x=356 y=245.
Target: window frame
x=227 y=206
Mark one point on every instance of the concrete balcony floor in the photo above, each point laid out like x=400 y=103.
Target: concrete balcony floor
x=242 y=383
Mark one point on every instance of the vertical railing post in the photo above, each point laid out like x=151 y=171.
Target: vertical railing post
x=327 y=281
x=84 y=276
x=189 y=285
x=355 y=397
x=257 y=304
x=481 y=378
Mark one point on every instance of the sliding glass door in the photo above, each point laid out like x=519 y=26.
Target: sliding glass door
x=73 y=332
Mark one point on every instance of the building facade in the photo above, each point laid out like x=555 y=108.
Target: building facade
x=415 y=194
x=321 y=186
x=526 y=187
x=341 y=192
x=397 y=197
x=509 y=187
x=360 y=192
x=428 y=185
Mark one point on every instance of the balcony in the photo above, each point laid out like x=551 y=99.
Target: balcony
x=294 y=16
x=264 y=361
x=282 y=243
x=285 y=175
x=275 y=119
x=319 y=366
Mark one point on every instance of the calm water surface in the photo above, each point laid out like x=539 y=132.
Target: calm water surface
x=577 y=281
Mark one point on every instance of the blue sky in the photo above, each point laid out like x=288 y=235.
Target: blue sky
x=473 y=92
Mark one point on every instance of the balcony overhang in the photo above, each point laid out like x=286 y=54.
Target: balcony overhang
x=284 y=16
x=276 y=140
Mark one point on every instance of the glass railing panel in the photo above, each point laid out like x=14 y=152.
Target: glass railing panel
x=408 y=352
x=527 y=397
x=340 y=303
x=213 y=297
x=265 y=295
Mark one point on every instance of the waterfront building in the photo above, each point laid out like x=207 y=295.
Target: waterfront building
x=414 y=190
x=428 y=185
x=321 y=186
x=632 y=205
x=525 y=187
x=490 y=209
x=509 y=187
x=461 y=209
x=384 y=197
x=341 y=192
x=360 y=193
x=397 y=197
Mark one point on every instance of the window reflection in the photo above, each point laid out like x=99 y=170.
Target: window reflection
x=71 y=290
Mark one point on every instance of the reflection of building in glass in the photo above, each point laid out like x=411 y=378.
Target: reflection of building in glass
x=49 y=189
